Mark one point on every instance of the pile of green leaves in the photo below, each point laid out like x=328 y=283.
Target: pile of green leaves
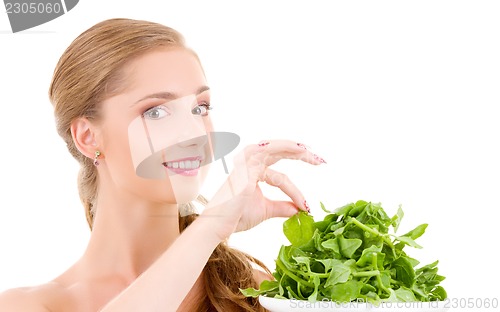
x=351 y=256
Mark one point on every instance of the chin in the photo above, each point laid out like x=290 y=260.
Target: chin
x=186 y=189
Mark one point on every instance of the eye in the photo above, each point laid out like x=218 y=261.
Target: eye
x=154 y=113
x=201 y=109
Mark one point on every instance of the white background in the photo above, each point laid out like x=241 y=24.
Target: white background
x=400 y=97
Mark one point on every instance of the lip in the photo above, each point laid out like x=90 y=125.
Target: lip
x=189 y=172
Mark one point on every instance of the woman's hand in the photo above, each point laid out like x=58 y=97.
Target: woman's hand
x=240 y=205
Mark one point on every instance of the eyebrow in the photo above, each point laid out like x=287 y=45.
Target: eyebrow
x=168 y=95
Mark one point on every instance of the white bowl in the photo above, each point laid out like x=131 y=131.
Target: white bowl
x=292 y=305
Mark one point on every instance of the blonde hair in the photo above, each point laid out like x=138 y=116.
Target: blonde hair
x=89 y=71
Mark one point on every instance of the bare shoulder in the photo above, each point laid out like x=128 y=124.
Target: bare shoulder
x=31 y=299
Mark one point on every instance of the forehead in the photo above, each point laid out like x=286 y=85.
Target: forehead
x=174 y=69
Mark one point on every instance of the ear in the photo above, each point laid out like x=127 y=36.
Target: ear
x=84 y=136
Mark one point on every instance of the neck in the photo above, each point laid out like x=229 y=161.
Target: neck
x=129 y=234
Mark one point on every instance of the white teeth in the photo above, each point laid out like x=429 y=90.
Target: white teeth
x=184 y=164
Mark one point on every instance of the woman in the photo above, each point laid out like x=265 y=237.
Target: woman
x=132 y=103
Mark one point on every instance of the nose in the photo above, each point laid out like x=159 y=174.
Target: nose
x=196 y=141
x=191 y=128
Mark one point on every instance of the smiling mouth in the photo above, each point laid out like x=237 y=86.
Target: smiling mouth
x=184 y=165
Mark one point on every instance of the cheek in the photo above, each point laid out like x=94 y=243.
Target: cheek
x=118 y=156
x=204 y=172
x=116 y=148
x=207 y=123
x=153 y=142
x=147 y=142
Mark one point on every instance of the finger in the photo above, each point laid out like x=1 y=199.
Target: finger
x=280 y=146
x=306 y=156
x=254 y=159
x=270 y=152
x=277 y=208
x=281 y=181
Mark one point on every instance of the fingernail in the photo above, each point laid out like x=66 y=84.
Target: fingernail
x=263 y=143
x=321 y=160
x=307 y=207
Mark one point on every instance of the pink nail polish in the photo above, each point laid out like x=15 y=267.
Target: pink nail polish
x=301 y=146
x=307 y=206
x=321 y=160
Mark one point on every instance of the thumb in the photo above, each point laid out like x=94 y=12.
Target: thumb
x=277 y=208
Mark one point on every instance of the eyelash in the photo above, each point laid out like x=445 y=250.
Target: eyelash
x=207 y=106
x=149 y=109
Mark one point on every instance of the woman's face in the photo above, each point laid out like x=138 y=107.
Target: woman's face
x=155 y=136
